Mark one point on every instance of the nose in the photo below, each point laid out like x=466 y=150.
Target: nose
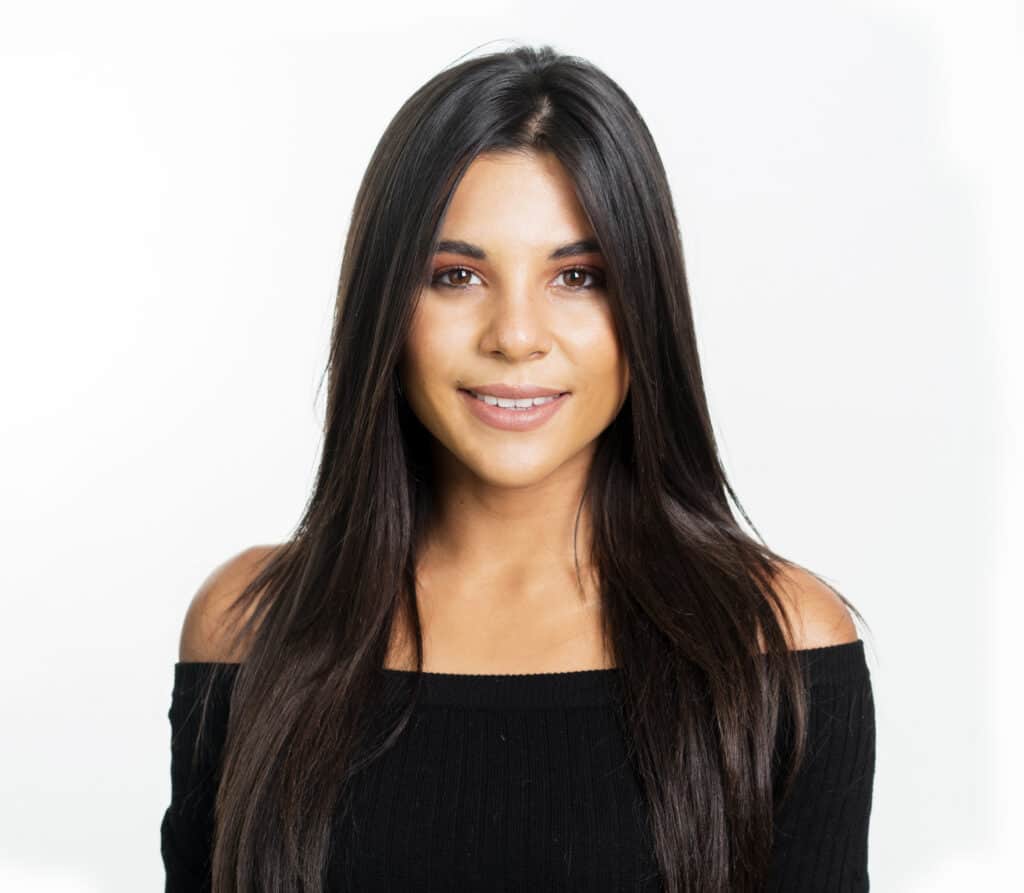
x=516 y=325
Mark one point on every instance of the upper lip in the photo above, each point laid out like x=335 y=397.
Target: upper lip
x=514 y=391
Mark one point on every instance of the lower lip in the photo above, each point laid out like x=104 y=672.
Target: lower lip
x=513 y=419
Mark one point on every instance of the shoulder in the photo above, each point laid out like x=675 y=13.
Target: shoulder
x=206 y=625
x=818 y=615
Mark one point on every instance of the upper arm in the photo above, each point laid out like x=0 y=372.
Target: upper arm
x=822 y=821
x=819 y=617
x=821 y=827
x=204 y=632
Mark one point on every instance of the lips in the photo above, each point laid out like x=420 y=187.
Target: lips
x=515 y=419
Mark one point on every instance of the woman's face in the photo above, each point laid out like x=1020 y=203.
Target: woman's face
x=501 y=310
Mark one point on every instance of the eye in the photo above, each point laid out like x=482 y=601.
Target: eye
x=439 y=277
x=584 y=271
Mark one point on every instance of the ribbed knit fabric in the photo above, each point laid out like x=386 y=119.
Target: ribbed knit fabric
x=521 y=783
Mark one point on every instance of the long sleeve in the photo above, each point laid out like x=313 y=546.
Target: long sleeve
x=821 y=829
x=186 y=831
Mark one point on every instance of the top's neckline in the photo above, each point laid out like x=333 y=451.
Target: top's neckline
x=580 y=688
x=829 y=664
x=411 y=673
x=570 y=688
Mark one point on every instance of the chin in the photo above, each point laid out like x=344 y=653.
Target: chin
x=516 y=469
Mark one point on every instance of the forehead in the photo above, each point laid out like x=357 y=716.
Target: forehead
x=515 y=200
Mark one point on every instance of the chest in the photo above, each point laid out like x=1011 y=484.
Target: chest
x=497 y=799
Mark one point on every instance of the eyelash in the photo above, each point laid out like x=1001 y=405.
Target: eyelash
x=440 y=274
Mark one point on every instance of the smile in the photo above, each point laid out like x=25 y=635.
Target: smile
x=513 y=415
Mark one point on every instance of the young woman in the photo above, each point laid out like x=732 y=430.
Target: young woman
x=518 y=640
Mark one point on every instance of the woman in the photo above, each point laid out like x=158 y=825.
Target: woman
x=518 y=645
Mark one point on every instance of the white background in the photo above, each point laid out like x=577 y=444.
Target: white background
x=176 y=182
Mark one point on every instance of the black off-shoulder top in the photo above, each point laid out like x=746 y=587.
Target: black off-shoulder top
x=521 y=782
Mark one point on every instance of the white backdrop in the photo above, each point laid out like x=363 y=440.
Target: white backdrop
x=176 y=182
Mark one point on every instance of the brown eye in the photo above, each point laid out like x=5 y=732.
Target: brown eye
x=579 y=274
x=441 y=277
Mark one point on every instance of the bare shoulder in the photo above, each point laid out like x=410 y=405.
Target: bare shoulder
x=818 y=615
x=204 y=631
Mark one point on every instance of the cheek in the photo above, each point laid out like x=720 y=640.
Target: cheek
x=602 y=375
x=430 y=352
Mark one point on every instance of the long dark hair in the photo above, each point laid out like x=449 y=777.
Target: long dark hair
x=687 y=594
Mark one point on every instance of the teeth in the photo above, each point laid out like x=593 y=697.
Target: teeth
x=526 y=403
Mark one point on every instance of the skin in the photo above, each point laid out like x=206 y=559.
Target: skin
x=496 y=579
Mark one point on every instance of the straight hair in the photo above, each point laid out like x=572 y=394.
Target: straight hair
x=687 y=594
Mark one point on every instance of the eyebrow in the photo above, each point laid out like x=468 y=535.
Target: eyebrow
x=570 y=249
